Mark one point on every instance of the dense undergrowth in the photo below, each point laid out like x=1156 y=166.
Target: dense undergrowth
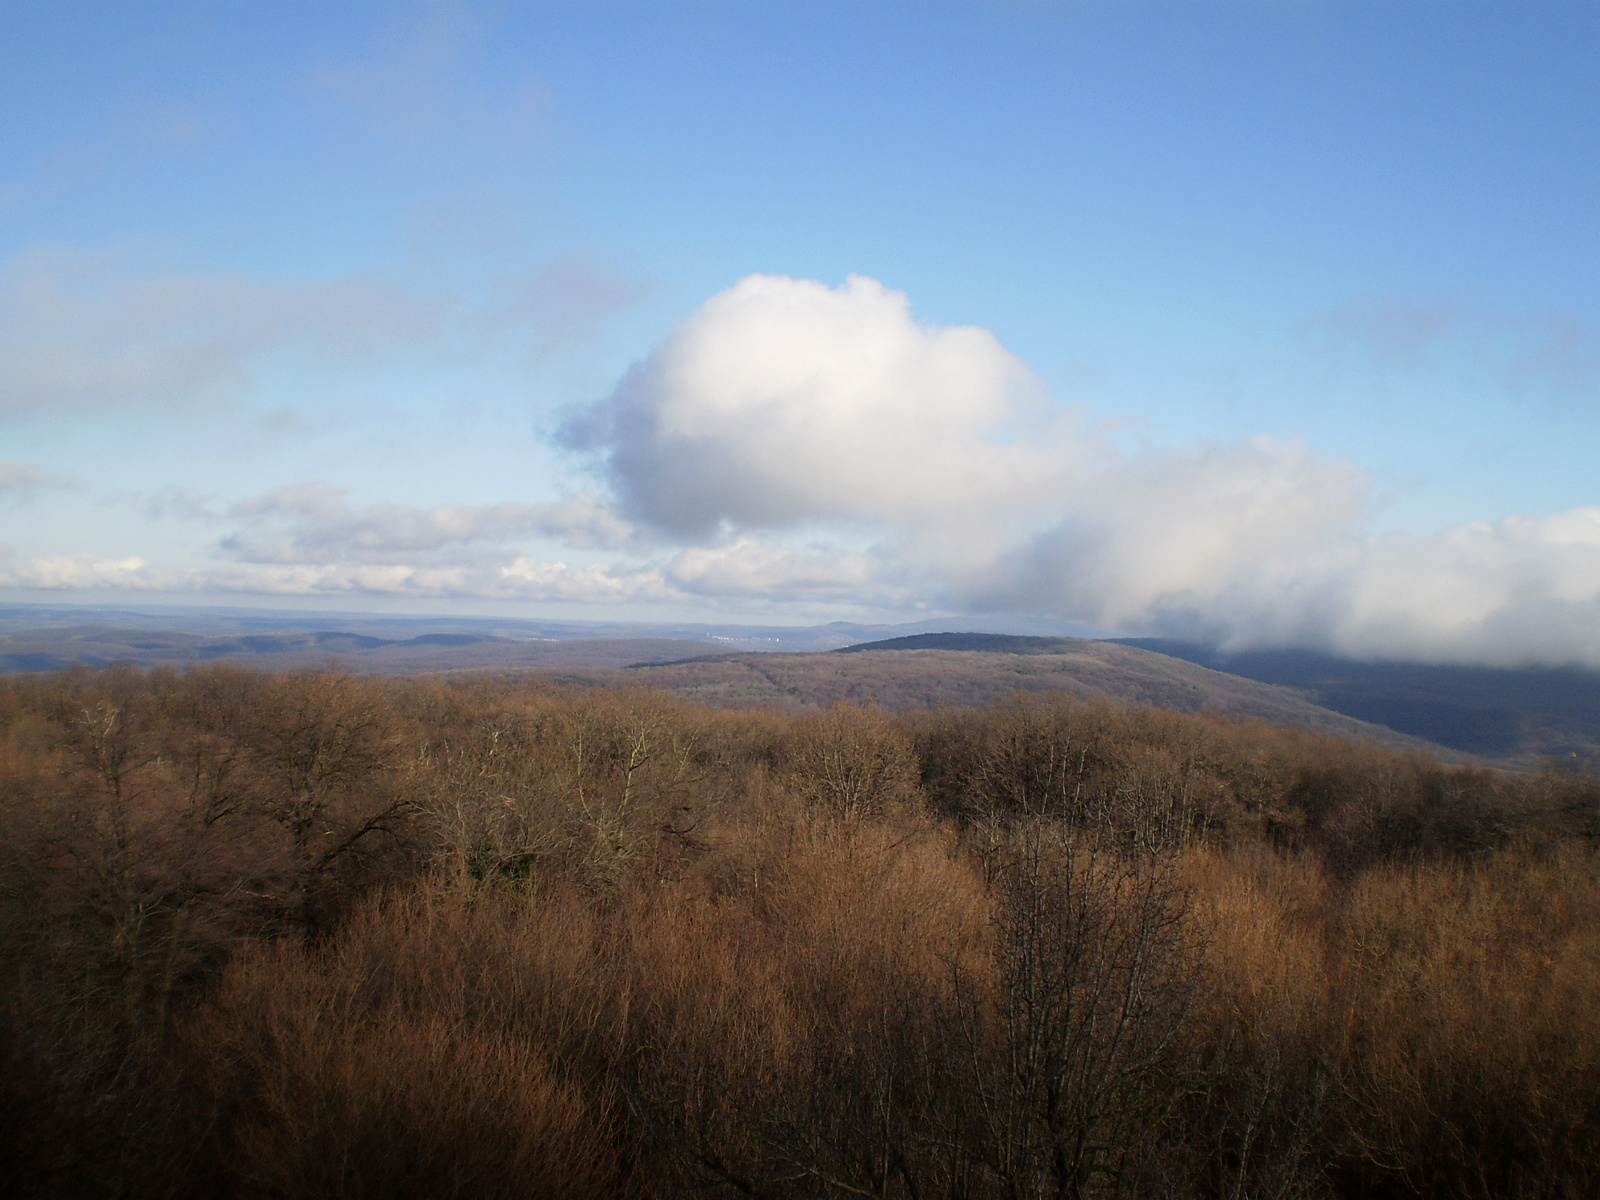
x=317 y=936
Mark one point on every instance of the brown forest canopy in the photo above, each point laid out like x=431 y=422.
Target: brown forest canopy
x=315 y=935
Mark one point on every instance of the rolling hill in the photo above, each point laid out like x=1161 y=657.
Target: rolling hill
x=1513 y=717
x=98 y=646
x=976 y=669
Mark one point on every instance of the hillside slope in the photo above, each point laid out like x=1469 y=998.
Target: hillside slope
x=907 y=672
x=1512 y=717
x=1521 y=715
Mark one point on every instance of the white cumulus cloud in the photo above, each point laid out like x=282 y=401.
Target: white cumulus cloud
x=785 y=404
x=784 y=400
x=795 y=443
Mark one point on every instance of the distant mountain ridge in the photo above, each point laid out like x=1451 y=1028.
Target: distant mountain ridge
x=990 y=643
x=101 y=646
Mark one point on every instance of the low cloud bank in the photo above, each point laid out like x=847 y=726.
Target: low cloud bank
x=315 y=523
x=785 y=404
x=504 y=577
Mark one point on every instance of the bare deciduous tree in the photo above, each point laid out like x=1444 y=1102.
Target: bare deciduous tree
x=1074 y=1038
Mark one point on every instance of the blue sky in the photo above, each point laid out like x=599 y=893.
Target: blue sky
x=1289 y=313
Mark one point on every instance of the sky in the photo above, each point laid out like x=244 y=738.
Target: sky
x=1271 y=324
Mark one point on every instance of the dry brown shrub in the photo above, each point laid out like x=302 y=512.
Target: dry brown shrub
x=601 y=787
x=854 y=762
x=796 y=1037
x=1267 y=1027
x=1471 y=991
x=587 y=942
x=1264 y=915
x=1077 y=1032
x=330 y=1097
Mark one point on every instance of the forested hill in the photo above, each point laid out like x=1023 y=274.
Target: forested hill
x=994 y=643
x=923 y=671
x=1513 y=717
x=1525 y=715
